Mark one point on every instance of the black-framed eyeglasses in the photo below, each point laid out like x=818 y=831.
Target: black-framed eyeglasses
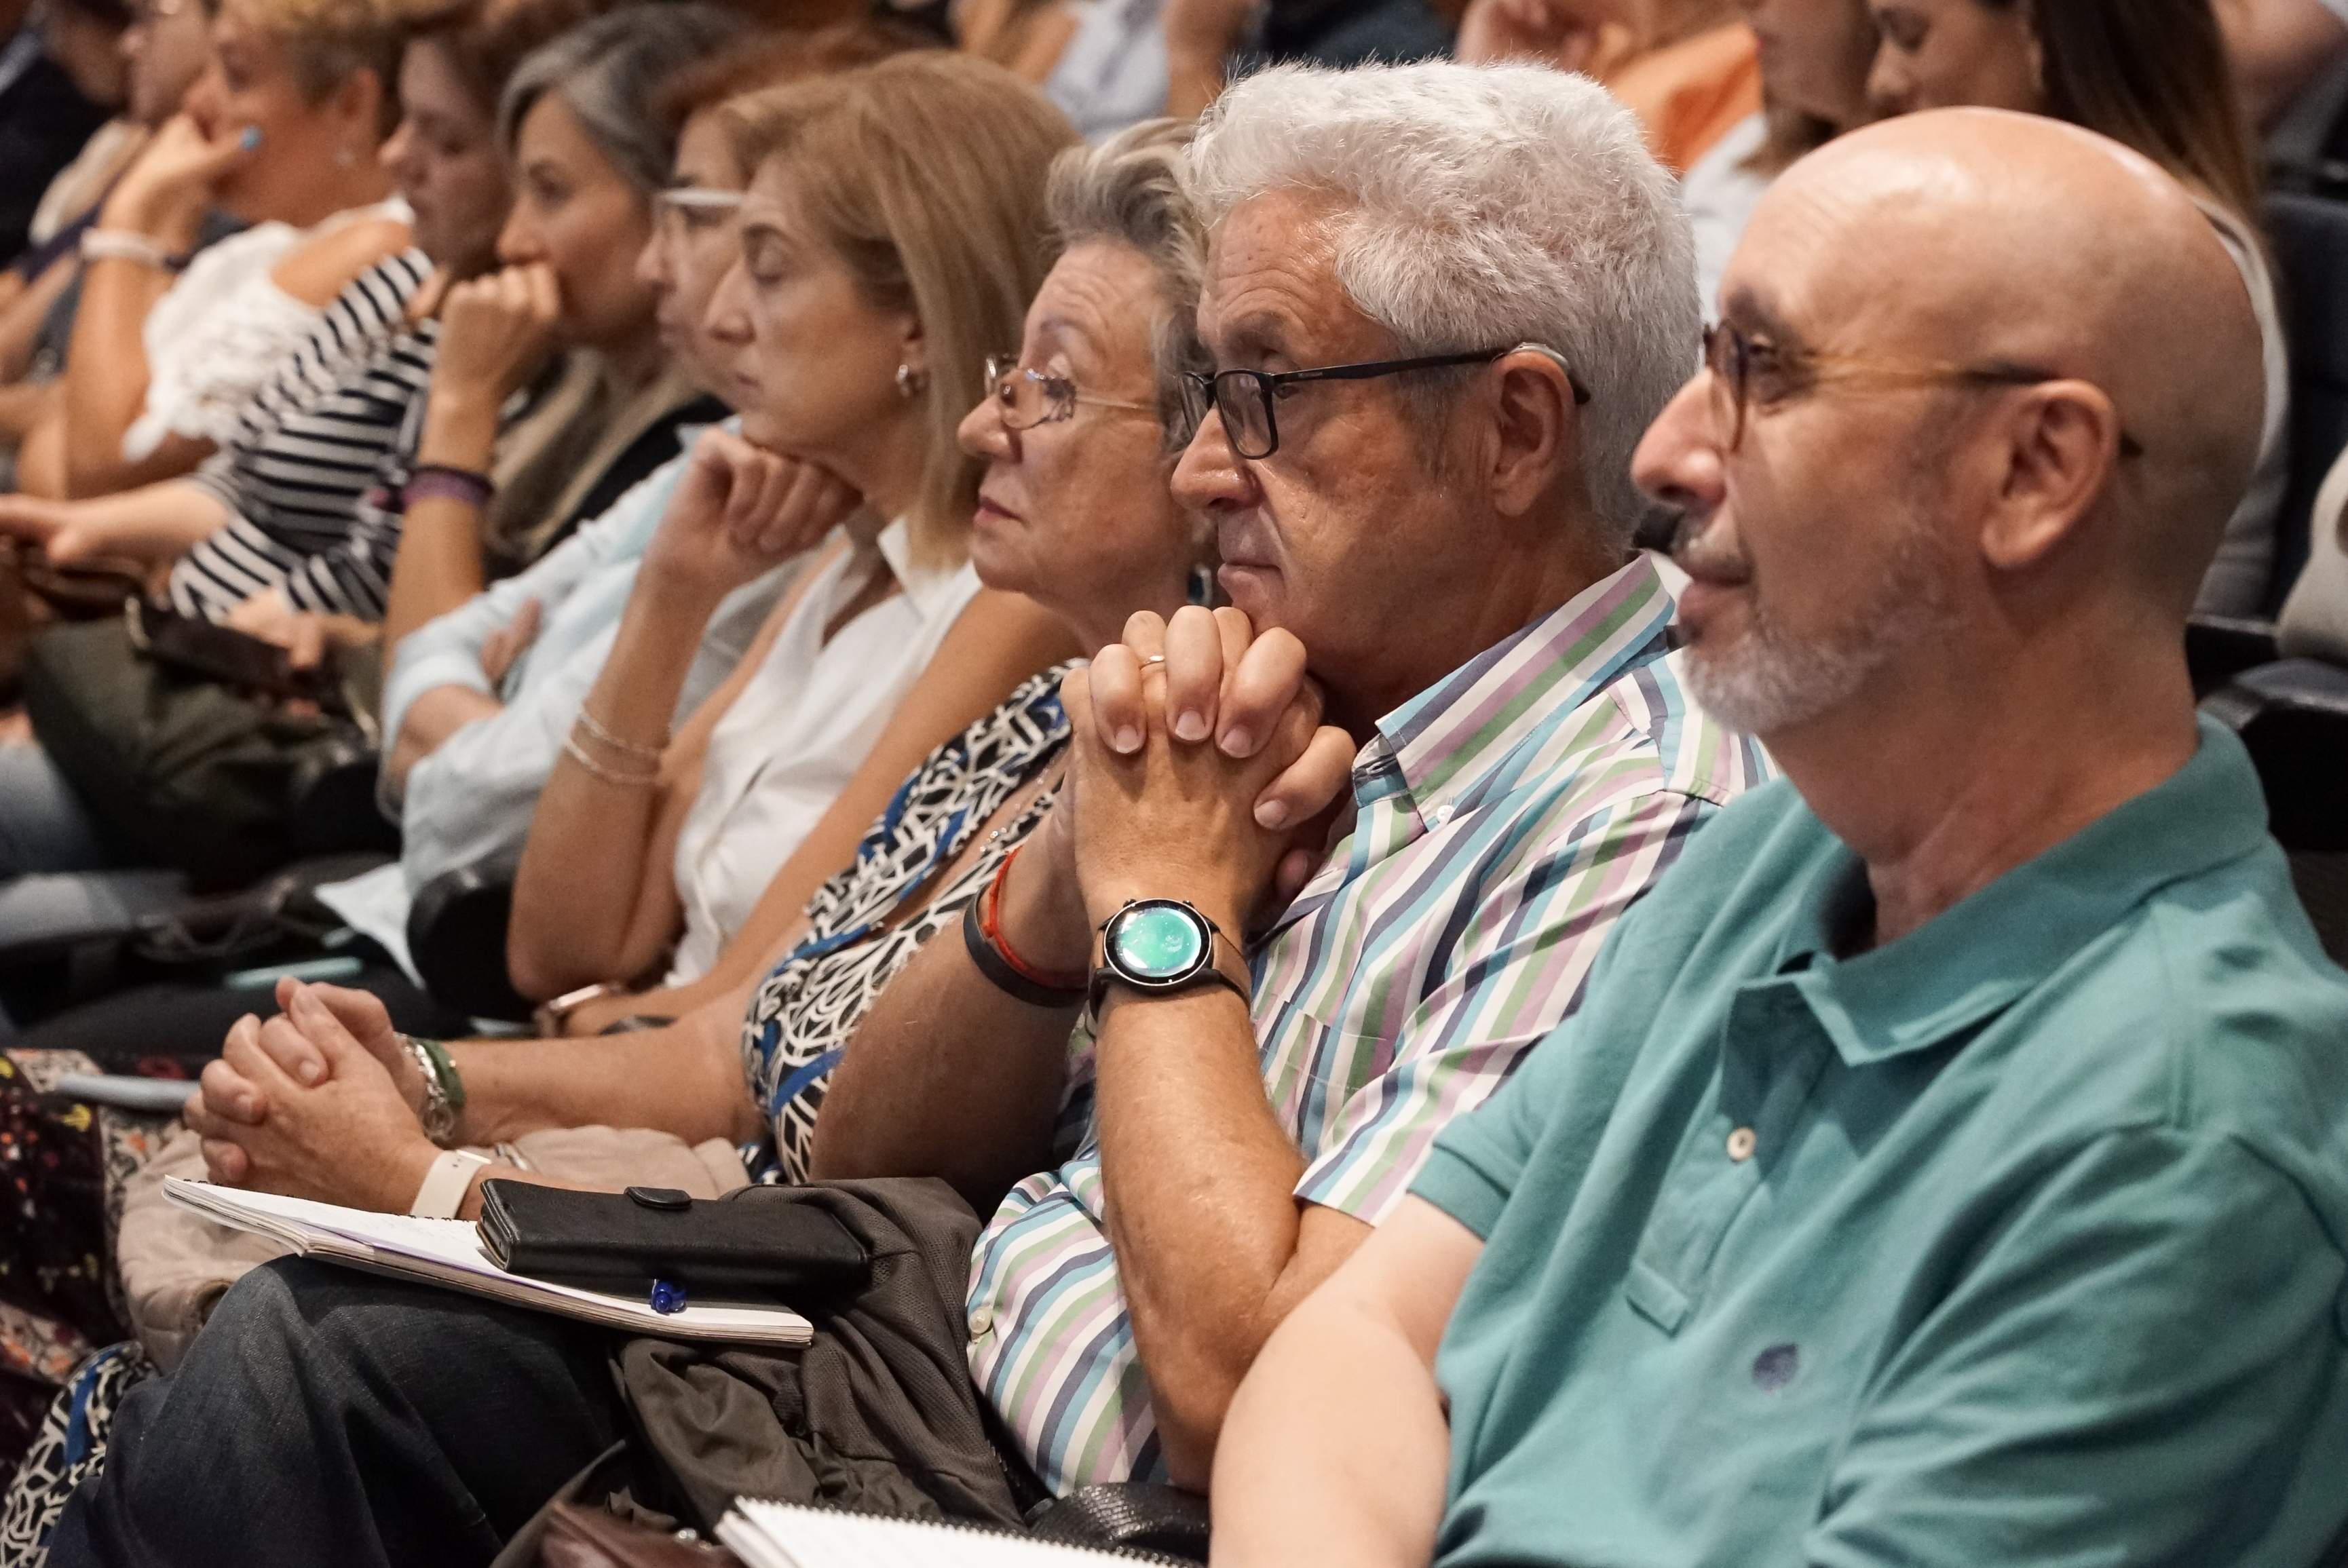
x=1027 y=398
x=1246 y=398
x=1734 y=359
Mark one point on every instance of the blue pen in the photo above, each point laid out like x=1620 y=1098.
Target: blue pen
x=668 y=1297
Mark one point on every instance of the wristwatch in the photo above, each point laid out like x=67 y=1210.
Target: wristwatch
x=1160 y=947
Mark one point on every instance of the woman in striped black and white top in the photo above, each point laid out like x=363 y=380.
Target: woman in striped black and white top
x=294 y=481
x=289 y=502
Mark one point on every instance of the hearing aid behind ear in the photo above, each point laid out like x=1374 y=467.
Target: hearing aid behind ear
x=1580 y=393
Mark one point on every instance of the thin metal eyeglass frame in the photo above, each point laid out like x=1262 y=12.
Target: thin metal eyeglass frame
x=1728 y=357
x=1057 y=405
x=1203 y=393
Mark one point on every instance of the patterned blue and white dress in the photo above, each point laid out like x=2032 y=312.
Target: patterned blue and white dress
x=802 y=1018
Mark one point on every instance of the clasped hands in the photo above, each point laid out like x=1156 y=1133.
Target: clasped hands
x=324 y=1102
x=1199 y=770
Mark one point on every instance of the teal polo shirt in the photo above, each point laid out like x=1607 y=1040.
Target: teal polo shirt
x=2016 y=1241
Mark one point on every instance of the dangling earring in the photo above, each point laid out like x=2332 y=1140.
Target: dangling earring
x=910 y=381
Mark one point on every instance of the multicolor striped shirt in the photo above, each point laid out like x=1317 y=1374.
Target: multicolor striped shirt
x=1504 y=820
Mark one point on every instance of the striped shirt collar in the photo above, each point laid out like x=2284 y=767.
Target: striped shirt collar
x=1436 y=747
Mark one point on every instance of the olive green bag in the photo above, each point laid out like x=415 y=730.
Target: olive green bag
x=183 y=770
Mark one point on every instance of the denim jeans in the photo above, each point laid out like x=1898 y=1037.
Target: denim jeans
x=328 y=1417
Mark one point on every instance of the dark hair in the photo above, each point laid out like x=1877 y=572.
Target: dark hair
x=781 y=58
x=114 y=14
x=484 y=41
x=608 y=71
x=2152 y=74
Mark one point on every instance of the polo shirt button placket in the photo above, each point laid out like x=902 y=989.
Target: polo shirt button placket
x=1741 y=1145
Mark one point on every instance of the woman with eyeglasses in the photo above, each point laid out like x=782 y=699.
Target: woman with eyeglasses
x=2153 y=75
x=890 y=233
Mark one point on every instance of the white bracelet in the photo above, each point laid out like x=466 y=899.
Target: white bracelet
x=123 y=245
x=446 y=1184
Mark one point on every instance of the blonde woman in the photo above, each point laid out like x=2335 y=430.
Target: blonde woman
x=891 y=238
x=280 y=131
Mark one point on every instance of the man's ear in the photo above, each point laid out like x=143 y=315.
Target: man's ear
x=2062 y=455
x=1537 y=428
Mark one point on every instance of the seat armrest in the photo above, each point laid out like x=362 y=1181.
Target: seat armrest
x=456 y=940
x=1135 y=1516
x=2219 y=647
x=2293 y=715
x=331 y=802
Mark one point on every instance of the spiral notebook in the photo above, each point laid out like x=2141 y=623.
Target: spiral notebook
x=448 y=1253
x=789 y=1535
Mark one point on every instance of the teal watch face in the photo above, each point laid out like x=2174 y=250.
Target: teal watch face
x=1157 y=942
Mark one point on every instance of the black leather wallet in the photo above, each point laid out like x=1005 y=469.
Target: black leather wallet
x=754 y=1244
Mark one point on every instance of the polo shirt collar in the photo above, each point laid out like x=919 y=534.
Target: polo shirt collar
x=1438 y=745
x=1977 y=958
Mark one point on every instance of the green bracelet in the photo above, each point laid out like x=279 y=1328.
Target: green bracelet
x=452 y=1084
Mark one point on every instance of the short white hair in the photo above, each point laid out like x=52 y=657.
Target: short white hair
x=1480 y=207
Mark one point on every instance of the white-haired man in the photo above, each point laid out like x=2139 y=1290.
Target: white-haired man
x=1444 y=302
x=1946 y=1165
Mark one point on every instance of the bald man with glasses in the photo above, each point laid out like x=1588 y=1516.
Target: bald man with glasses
x=1949 y=1162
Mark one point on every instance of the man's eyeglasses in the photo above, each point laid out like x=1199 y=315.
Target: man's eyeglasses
x=1246 y=398
x=696 y=209
x=1741 y=366
x=1027 y=398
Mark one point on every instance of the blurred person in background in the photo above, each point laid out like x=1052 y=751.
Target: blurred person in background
x=2279 y=47
x=166 y=46
x=1814 y=58
x=550 y=395
x=1688 y=68
x=45 y=116
x=281 y=132
x=1209 y=42
x=477 y=702
x=2155 y=77
x=89 y=38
